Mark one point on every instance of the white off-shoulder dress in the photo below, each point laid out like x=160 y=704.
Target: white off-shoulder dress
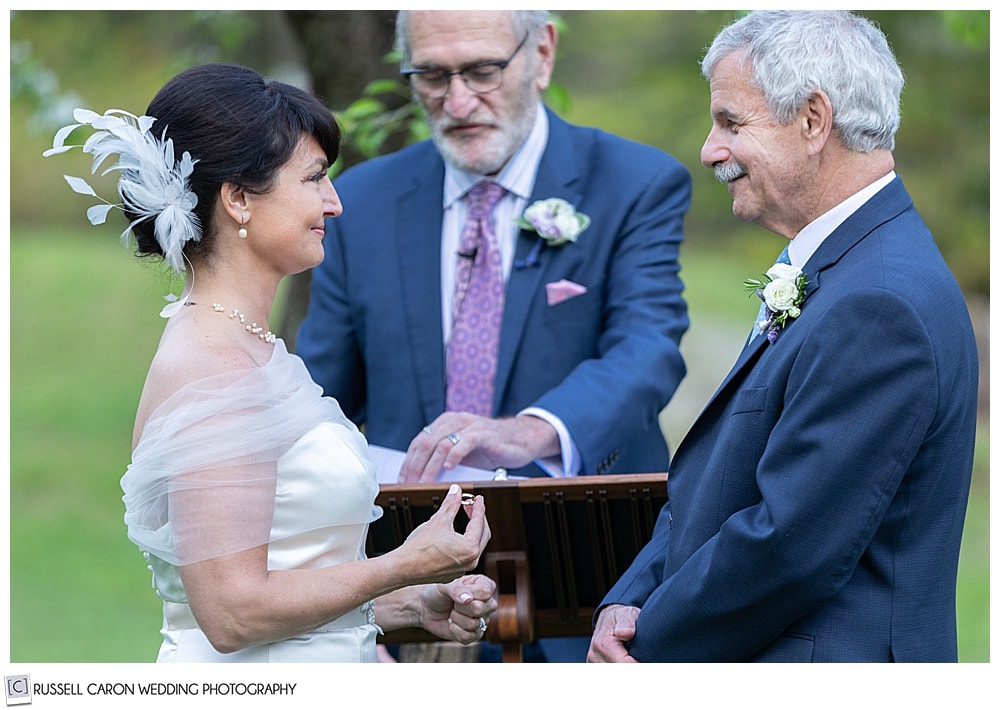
x=252 y=457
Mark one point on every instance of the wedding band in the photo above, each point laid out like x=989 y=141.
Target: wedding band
x=482 y=625
x=454 y=439
x=468 y=498
x=426 y=430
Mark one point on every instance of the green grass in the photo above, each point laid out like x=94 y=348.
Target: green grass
x=974 y=562
x=84 y=327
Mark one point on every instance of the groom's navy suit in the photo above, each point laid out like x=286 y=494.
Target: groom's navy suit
x=605 y=362
x=817 y=503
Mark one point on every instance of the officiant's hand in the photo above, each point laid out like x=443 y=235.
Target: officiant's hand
x=456 y=438
x=459 y=611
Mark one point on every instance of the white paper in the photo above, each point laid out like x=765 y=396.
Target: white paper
x=389 y=461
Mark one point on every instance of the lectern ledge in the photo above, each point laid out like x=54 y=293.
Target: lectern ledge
x=557 y=547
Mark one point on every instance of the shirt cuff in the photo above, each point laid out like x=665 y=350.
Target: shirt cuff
x=567 y=463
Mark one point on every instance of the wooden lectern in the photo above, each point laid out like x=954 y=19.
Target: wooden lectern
x=557 y=546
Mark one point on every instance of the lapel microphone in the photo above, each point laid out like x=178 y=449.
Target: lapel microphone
x=469 y=254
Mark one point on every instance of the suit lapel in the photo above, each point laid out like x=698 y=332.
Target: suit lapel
x=418 y=247
x=884 y=206
x=557 y=171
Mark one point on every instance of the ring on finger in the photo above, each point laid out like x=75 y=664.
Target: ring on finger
x=454 y=439
x=482 y=625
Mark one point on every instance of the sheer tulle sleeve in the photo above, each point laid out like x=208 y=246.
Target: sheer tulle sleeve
x=202 y=479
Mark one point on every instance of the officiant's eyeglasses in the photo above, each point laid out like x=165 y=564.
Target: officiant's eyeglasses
x=480 y=78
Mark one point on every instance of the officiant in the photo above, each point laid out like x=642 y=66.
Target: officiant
x=506 y=294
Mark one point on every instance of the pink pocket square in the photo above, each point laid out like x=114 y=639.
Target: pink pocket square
x=559 y=291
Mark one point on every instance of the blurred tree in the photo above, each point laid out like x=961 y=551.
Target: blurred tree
x=345 y=51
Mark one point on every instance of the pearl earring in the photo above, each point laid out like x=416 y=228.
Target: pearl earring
x=242 y=231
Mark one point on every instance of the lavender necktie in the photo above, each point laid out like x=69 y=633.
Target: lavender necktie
x=477 y=308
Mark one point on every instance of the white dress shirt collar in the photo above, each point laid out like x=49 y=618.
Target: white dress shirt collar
x=806 y=242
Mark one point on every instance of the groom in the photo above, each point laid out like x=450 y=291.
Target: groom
x=817 y=504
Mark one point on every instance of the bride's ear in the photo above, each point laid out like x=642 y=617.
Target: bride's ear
x=233 y=199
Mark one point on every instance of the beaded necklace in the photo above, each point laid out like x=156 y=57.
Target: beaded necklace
x=260 y=332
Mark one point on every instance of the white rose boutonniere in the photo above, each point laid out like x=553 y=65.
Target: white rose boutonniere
x=783 y=290
x=555 y=220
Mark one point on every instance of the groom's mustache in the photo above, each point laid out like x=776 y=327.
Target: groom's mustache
x=727 y=172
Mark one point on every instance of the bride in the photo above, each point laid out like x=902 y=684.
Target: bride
x=249 y=492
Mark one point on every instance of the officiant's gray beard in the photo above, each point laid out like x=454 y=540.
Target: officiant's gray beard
x=491 y=152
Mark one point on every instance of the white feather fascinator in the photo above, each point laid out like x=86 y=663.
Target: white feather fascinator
x=153 y=184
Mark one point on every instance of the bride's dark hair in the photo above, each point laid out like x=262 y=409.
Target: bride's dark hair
x=240 y=128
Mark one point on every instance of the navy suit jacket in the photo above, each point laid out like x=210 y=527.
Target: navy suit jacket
x=605 y=362
x=817 y=503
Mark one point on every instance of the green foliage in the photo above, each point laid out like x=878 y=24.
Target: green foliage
x=36 y=87
x=369 y=123
x=631 y=72
x=969 y=28
x=223 y=33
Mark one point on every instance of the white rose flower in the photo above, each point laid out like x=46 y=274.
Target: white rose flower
x=784 y=272
x=783 y=290
x=555 y=220
x=542 y=211
x=567 y=225
x=780 y=295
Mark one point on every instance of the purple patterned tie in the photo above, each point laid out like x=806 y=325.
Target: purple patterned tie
x=477 y=307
